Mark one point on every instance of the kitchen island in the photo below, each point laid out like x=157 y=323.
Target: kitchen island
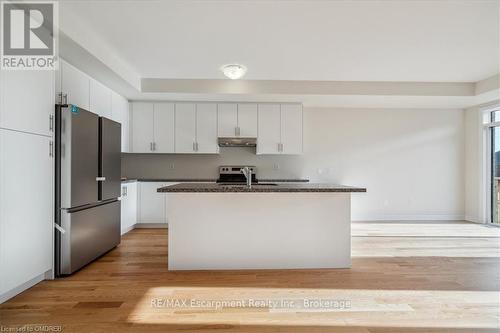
x=267 y=226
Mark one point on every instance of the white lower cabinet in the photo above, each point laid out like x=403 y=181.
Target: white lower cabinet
x=26 y=208
x=152 y=205
x=142 y=205
x=128 y=206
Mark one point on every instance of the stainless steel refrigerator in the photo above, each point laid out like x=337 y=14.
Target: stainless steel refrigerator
x=88 y=175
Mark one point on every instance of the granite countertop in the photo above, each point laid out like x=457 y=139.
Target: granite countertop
x=167 y=180
x=128 y=180
x=280 y=187
x=201 y=180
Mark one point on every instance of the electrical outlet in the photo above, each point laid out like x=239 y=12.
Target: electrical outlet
x=171 y=166
x=276 y=166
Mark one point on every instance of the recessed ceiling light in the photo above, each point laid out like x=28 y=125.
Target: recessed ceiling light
x=233 y=71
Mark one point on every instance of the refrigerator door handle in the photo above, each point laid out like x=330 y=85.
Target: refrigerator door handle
x=100 y=179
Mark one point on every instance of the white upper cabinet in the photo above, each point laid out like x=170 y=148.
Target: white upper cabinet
x=280 y=129
x=75 y=85
x=89 y=94
x=164 y=134
x=142 y=127
x=227 y=119
x=153 y=127
x=206 y=128
x=237 y=120
x=100 y=99
x=291 y=129
x=193 y=128
x=269 y=124
x=120 y=113
x=27 y=101
x=247 y=120
x=185 y=128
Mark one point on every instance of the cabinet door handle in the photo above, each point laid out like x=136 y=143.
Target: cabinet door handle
x=63 y=98
x=279 y=147
x=100 y=179
x=194 y=146
x=51 y=149
x=197 y=147
x=51 y=123
x=236 y=131
x=282 y=147
x=151 y=146
x=154 y=146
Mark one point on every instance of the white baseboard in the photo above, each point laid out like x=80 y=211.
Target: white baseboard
x=416 y=217
x=49 y=275
x=124 y=231
x=28 y=284
x=474 y=219
x=150 y=225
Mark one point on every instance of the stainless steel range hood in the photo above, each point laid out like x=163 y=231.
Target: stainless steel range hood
x=237 y=142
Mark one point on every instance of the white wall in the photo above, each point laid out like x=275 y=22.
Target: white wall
x=410 y=160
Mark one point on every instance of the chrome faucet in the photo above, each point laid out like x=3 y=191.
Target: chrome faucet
x=248 y=175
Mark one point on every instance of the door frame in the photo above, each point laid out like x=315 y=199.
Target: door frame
x=486 y=148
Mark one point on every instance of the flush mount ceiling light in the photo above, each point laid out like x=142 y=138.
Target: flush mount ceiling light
x=233 y=71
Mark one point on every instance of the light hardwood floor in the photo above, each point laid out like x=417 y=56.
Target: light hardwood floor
x=405 y=277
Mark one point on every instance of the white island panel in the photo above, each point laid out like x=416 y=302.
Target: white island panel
x=259 y=230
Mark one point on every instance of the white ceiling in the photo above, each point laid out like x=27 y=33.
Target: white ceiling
x=430 y=41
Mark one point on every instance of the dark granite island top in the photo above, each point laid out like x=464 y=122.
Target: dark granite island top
x=274 y=187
